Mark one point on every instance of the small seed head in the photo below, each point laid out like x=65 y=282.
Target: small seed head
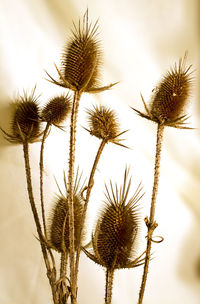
x=59 y=223
x=25 y=124
x=56 y=110
x=103 y=123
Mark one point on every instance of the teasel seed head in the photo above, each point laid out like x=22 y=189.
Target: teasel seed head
x=56 y=110
x=115 y=237
x=104 y=124
x=59 y=220
x=82 y=60
x=25 y=124
x=170 y=97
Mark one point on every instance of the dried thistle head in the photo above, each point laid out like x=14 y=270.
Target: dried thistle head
x=59 y=221
x=104 y=124
x=56 y=110
x=25 y=124
x=81 y=60
x=116 y=232
x=170 y=97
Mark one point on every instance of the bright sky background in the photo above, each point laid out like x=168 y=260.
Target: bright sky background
x=141 y=39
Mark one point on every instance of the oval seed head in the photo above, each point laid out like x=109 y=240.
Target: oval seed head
x=171 y=95
x=60 y=223
x=114 y=240
x=82 y=57
x=103 y=123
x=25 y=124
x=56 y=110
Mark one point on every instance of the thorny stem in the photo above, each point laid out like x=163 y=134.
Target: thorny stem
x=89 y=188
x=41 y=177
x=74 y=114
x=37 y=221
x=151 y=224
x=109 y=285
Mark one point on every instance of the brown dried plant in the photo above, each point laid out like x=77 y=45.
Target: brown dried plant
x=114 y=241
x=55 y=112
x=79 y=72
x=167 y=108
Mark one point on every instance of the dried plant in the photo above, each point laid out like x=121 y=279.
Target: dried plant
x=166 y=109
x=54 y=113
x=115 y=238
x=25 y=124
x=114 y=241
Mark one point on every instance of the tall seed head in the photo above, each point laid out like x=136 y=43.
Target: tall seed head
x=82 y=57
x=56 y=110
x=116 y=231
x=170 y=97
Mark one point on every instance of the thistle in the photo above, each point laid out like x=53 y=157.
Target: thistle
x=115 y=238
x=166 y=109
x=79 y=72
x=104 y=124
x=56 y=110
x=81 y=60
x=59 y=223
x=170 y=97
x=25 y=125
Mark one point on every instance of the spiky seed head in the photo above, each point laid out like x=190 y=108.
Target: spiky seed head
x=81 y=58
x=59 y=223
x=103 y=123
x=25 y=124
x=116 y=232
x=170 y=97
x=56 y=110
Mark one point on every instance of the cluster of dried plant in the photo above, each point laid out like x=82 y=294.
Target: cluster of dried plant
x=113 y=242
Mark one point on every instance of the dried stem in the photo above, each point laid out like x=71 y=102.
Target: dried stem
x=109 y=285
x=50 y=274
x=41 y=177
x=74 y=114
x=63 y=264
x=151 y=224
x=89 y=188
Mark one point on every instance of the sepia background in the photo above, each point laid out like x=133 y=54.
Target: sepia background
x=140 y=39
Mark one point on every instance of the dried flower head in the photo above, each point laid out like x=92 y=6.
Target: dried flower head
x=56 y=110
x=104 y=124
x=25 y=124
x=170 y=97
x=59 y=221
x=81 y=60
x=116 y=232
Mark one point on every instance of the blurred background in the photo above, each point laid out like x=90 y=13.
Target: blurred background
x=141 y=40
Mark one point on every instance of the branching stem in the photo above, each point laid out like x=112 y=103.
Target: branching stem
x=151 y=224
x=41 y=176
x=37 y=221
x=89 y=188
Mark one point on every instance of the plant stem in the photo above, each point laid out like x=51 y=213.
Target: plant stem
x=74 y=114
x=63 y=264
x=109 y=285
x=151 y=224
x=37 y=221
x=89 y=188
x=41 y=177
